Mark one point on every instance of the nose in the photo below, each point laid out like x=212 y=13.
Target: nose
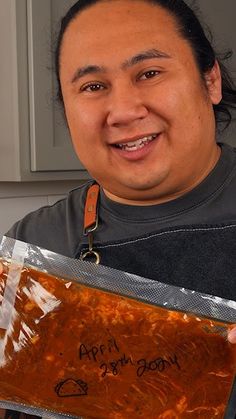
x=125 y=106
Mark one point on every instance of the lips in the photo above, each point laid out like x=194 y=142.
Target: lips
x=136 y=144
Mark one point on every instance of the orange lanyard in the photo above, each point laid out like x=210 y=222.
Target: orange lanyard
x=91 y=222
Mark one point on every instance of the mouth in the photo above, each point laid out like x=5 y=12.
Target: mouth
x=137 y=144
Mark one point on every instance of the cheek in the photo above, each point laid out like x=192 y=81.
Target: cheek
x=85 y=133
x=84 y=118
x=78 y=122
x=170 y=102
x=185 y=110
x=189 y=109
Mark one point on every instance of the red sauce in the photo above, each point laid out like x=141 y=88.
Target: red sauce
x=85 y=352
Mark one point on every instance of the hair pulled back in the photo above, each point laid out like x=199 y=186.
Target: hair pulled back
x=191 y=30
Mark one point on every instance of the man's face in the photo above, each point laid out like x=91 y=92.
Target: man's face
x=139 y=114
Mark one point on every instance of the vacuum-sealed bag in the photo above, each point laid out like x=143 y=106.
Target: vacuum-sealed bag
x=81 y=340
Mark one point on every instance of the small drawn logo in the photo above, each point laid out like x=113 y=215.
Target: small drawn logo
x=71 y=388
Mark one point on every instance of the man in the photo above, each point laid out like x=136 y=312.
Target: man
x=142 y=91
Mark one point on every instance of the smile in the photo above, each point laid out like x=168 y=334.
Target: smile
x=136 y=145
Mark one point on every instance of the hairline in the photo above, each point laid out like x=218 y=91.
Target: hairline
x=177 y=24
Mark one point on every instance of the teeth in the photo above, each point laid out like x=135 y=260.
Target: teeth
x=135 y=145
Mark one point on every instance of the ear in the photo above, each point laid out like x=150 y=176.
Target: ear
x=214 y=84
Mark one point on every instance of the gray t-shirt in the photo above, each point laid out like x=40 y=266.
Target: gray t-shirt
x=59 y=227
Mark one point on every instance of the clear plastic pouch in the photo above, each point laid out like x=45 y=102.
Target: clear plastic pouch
x=81 y=340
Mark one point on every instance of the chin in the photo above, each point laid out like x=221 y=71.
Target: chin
x=145 y=187
x=137 y=195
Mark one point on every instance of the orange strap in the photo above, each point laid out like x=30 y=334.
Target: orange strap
x=90 y=210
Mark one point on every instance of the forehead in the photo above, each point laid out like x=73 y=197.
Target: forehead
x=116 y=29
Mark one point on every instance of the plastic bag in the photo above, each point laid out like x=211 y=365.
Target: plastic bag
x=81 y=340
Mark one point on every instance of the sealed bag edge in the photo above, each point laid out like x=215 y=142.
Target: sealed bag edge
x=123 y=283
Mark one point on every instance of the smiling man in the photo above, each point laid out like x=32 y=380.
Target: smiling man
x=143 y=91
x=135 y=115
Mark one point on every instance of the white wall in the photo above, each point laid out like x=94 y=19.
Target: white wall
x=17 y=199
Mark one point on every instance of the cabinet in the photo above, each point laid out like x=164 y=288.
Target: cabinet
x=34 y=143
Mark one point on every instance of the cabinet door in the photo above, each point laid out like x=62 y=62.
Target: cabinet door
x=50 y=143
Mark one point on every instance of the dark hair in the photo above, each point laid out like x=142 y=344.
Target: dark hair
x=191 y=29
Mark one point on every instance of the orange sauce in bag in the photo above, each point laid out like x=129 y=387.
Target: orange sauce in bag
x=86 y=352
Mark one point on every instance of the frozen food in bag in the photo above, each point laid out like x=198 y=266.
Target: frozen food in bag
x=81 y=340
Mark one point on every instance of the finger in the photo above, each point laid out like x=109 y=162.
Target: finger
x=232 y=335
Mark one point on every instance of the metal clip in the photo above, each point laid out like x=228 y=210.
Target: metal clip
x=91 y=222
x=91 y=253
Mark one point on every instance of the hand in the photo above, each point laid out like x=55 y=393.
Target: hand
x=232 y=335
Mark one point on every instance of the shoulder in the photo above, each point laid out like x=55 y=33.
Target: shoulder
x=229 y=159
x=229 y=150
x=56 y=227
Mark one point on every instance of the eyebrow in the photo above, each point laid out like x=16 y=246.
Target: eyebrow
x=142 y=56
x=145 y=55
x=89 y=69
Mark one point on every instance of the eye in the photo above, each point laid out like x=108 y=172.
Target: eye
x=92 y=87
x=149 y=74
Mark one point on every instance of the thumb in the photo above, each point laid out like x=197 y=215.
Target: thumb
x=232 y=335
